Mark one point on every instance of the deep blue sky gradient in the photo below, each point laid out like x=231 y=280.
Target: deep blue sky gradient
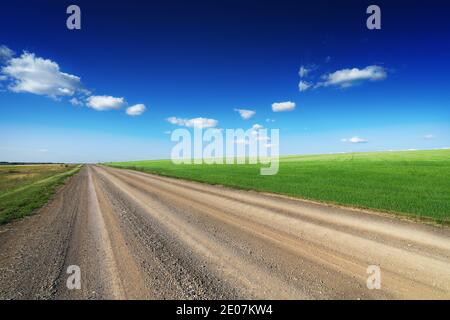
x=204 y=58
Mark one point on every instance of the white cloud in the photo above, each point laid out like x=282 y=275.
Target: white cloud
x=40 y=76
x=103 y=103
x=199 y=123
x=135 y=110
x=5 y=53
x=429 y=136
x=177 y=121
x=347 y=77
x=76 y=102
x=283 y=106
x=259 y=135
x=304 y=85
x=270 y=120
x=255 y=128
x=303 y=72
x=245 y=114
x=355 y=140
x=31 y=74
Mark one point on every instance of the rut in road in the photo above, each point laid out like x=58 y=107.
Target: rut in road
x=136 y=235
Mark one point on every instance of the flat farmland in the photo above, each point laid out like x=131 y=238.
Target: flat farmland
x=412 y=183
x=137 y=235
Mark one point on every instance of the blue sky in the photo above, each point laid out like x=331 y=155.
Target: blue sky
x=368 y=90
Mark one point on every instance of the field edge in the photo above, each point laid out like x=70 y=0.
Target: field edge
x=389 y=213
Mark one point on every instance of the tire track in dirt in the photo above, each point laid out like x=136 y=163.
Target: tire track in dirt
x=410 y=267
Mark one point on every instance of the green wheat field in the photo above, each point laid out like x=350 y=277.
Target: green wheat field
x=414 y=183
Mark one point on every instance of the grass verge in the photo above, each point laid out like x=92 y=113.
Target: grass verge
x=26 y=188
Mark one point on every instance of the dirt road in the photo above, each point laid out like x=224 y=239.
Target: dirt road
x=135 y=235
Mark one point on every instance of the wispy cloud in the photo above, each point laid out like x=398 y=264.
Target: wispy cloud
x=303 y=71
x=304 y=85
x=283 y=106
x=355 y=140
x=5 y=54
x=343 y=78
x=429 y=136
x=200 y=123
x=76 y=102
x=135 y=110
x=245 y=114
x=348 y=77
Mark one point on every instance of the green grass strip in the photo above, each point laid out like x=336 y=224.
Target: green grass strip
x=23 y=201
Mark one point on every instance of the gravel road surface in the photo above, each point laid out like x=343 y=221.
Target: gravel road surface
x=142 y=236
